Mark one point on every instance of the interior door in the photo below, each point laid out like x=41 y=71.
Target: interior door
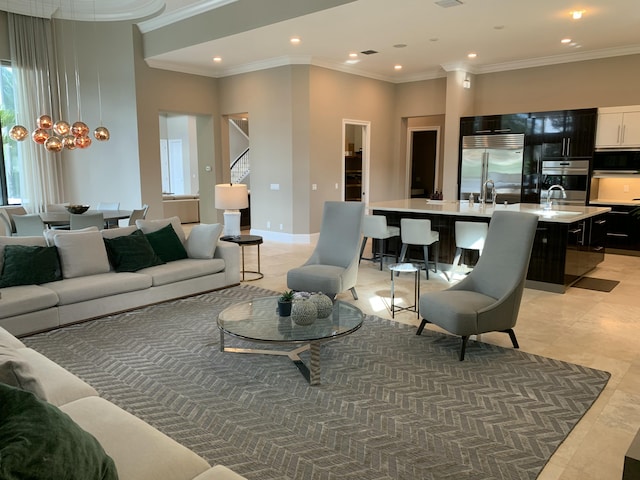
x=355 y=160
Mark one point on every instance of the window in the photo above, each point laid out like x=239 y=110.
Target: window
x=10 y=164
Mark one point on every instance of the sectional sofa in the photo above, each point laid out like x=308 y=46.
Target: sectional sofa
x=53 y=425
x=65 y=277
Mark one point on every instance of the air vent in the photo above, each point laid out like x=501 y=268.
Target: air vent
x=448 y=3
x=369 y=52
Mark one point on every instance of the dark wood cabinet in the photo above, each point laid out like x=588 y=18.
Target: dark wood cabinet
x=568 y=133
x=353 y=178
x=623 y=229
x=494 y=124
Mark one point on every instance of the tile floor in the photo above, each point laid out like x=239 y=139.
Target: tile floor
x=595 y=329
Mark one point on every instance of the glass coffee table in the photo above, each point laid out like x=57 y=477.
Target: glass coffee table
x=258 y=321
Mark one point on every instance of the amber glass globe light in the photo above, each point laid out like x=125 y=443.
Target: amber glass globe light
x=61 y=127
x=45 y=122
x=40 y=135
x=53 y=144
x=69 y=142
x=79 y=129
x=18 y=133
x=83 y=142
x=102 y=134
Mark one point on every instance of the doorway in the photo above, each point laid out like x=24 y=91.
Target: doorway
x=422 y=162
x=236 y=148
x=355 y=164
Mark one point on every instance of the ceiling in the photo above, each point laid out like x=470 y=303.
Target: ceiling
x=505 y=34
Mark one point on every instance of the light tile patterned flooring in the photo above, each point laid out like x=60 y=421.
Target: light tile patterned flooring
x=595 y=329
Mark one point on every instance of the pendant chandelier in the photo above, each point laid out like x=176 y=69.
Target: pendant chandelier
x=58 y=135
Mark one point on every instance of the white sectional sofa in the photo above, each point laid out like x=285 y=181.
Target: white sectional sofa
x=90 y=286
x=37 y=395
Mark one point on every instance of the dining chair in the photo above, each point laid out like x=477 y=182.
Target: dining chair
x=138 y=214
x=5 y=224
x=28 y=225
x=109 y=206
x=88 y=219
x=11 y=210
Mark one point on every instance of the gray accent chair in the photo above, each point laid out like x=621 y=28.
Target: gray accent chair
x=333 y=265
x=488 y=299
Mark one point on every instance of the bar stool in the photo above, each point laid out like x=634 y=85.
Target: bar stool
x=469 y=236
x=375 y=227
x=415 y=231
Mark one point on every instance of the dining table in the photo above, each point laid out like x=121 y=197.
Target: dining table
x=62 y=219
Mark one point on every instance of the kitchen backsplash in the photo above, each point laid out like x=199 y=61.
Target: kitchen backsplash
x=623 y=190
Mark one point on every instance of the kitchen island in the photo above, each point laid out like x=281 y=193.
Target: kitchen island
x=569 y=242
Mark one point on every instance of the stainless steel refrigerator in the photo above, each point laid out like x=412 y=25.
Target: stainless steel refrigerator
x=492 y=157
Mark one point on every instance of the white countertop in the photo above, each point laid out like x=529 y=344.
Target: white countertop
x=606 y=201
x=559 y=213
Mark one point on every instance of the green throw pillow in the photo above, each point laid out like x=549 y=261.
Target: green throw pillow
x=38 y=441
x=130 y=253
x=29 y=265
x=167 y=244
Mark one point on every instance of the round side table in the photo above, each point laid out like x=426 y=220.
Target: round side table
x=405 y=268
x=243 y=241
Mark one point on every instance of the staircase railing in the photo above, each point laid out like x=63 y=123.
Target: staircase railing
x=240 y=167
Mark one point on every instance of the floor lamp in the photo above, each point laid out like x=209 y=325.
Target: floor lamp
x=231 y=198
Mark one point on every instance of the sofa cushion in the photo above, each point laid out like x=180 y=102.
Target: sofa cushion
x=4 y=241
x=29 y=265
x=81 y=289
x=140 y=451
x=26 y=299
x=82 y=254
x=50 y=234
x=39 y=441
x=166 y=243
x=149 y=226
x=131 y=253
x=202 y=240
x=183 y=270
x=16 y=371
x=118 y=232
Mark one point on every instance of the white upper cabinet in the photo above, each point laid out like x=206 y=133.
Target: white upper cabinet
x=618 y=127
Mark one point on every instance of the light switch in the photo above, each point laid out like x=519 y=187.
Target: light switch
x=275 y=186
x=314 y=186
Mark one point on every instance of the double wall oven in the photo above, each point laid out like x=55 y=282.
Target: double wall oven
x=572 y=175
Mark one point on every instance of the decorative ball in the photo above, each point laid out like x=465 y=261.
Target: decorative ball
x=40 y=135
x=53 y=144
x=83 y=142
x=323 y=304
x=61 y=127
x=102 y=134
x=18 y=133
x=45 y=122
x=303 y=312
x=79 y=129
x=69 y=142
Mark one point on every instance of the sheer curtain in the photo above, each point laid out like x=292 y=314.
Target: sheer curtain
x=35 y=72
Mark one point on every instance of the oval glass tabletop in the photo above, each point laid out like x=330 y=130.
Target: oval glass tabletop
x=258 y=320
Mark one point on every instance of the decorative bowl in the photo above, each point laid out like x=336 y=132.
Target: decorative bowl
x=77 y=208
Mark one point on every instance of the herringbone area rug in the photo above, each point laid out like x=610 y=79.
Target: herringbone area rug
x=392 y=405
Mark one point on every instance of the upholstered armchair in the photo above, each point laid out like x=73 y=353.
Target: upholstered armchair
x=488 y=299
x=333 y=265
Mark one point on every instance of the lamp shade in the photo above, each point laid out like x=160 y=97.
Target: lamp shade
x=231 y=196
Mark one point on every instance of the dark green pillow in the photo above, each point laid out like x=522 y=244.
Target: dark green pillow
x=130 y=253
x=39 y=441
x=29 y=265
x=167 y=244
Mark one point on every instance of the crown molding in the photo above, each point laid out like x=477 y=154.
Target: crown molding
x=85 y=10
x=181 y=14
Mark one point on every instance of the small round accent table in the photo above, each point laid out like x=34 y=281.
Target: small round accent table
x=406 y=268
x=243 y=241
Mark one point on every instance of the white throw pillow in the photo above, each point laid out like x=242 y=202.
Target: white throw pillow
x=49 y=235
x=37 y=241
x=202 y=240
x=82 y=254
x=150 y=226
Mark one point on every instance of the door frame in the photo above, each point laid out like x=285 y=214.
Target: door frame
x=366 y=148
x=408 y=160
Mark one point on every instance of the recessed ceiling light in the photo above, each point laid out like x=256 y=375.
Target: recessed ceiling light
x=577 y=14
x=400 y=45
x=397 y=67
x=353 y=55
x=498 y=27
x=448 y=3
x=217 y=59
x=472 y=55
x=352 y=61
x=434 y=39
x=565 y=40
x=295 y=40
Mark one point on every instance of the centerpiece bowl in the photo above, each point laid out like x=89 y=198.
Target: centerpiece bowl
x=77 y=208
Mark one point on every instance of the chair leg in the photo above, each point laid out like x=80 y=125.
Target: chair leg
x=403 y=253
x=435 y=256
x=512 y=335
x=364 y=242
x=425 y=250
x=381 y=253
x=463 y=347
x=421 y=327
x=354 y=293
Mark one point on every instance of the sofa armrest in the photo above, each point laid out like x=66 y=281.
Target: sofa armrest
x=219 y=472
x=230 y=253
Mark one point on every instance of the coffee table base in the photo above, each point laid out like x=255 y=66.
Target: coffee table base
x=312 y=373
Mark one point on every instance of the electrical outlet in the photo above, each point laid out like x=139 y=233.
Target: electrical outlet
x=626 y=189
x=337 y=186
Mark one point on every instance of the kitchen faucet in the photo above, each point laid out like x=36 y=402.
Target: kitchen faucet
x=483 y=199
x=549 y=204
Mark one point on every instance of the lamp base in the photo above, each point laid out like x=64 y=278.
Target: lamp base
x=231 y=223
